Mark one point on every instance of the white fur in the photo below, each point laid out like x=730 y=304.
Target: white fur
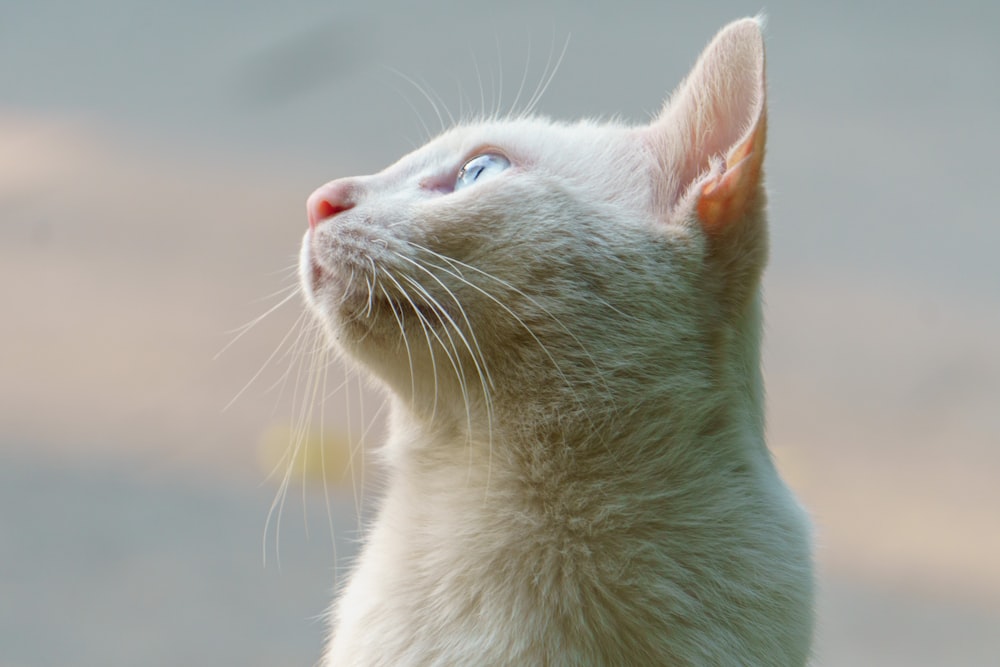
x=578 y=472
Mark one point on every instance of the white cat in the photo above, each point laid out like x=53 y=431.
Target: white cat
x=567 y=319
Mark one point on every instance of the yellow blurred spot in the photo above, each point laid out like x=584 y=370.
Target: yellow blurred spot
x=310 y=456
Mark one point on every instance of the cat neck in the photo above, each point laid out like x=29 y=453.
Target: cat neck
x=710 y=408
x=705 y=442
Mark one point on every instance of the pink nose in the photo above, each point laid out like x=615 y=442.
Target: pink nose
x=329 y=200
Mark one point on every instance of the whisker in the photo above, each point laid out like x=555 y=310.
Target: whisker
x=316 y=379
x=430 y=346
x=298 y=361
x=583 y=405
x=263 y=366
x=322 y=463
x=499 y=104
x=544 y=82
x=323 y=468
x=244 y=329
x=416 y=112
x=454 y=271
x=438 y=310
x=349 y=417
x=295 y=350
x=479 y=80
x=371 y=293
x=478 y=359
x=294 y=287
x=444 y=105
x=502 y=305
x=358 y=485
x=336 y=390
x=406 y=343
x=477 y=353
x=452 y=354
x=524 y=79
x=422 y=91
x=278 y=504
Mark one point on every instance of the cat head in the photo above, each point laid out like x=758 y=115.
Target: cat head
x=532 y=265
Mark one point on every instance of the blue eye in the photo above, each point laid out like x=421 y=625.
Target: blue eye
x=480 y=168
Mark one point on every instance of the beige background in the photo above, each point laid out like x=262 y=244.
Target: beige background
x=154 y=161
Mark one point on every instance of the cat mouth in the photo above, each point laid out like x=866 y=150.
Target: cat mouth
x=341 y=289
x=359 y=291
x=322 y=275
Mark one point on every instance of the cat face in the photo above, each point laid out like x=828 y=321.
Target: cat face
x=483 y=254
x=531 y=261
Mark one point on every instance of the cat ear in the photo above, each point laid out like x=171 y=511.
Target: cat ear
x=709 y=139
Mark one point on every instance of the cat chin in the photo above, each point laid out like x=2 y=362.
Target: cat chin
x=352 y=317
x=307 y=273
x=327 y=290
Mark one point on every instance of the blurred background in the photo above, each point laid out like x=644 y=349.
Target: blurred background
x=154 y=162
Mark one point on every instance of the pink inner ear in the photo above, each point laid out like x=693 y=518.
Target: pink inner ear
x=724 y=198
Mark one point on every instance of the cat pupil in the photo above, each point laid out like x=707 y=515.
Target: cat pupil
x=481 y=166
